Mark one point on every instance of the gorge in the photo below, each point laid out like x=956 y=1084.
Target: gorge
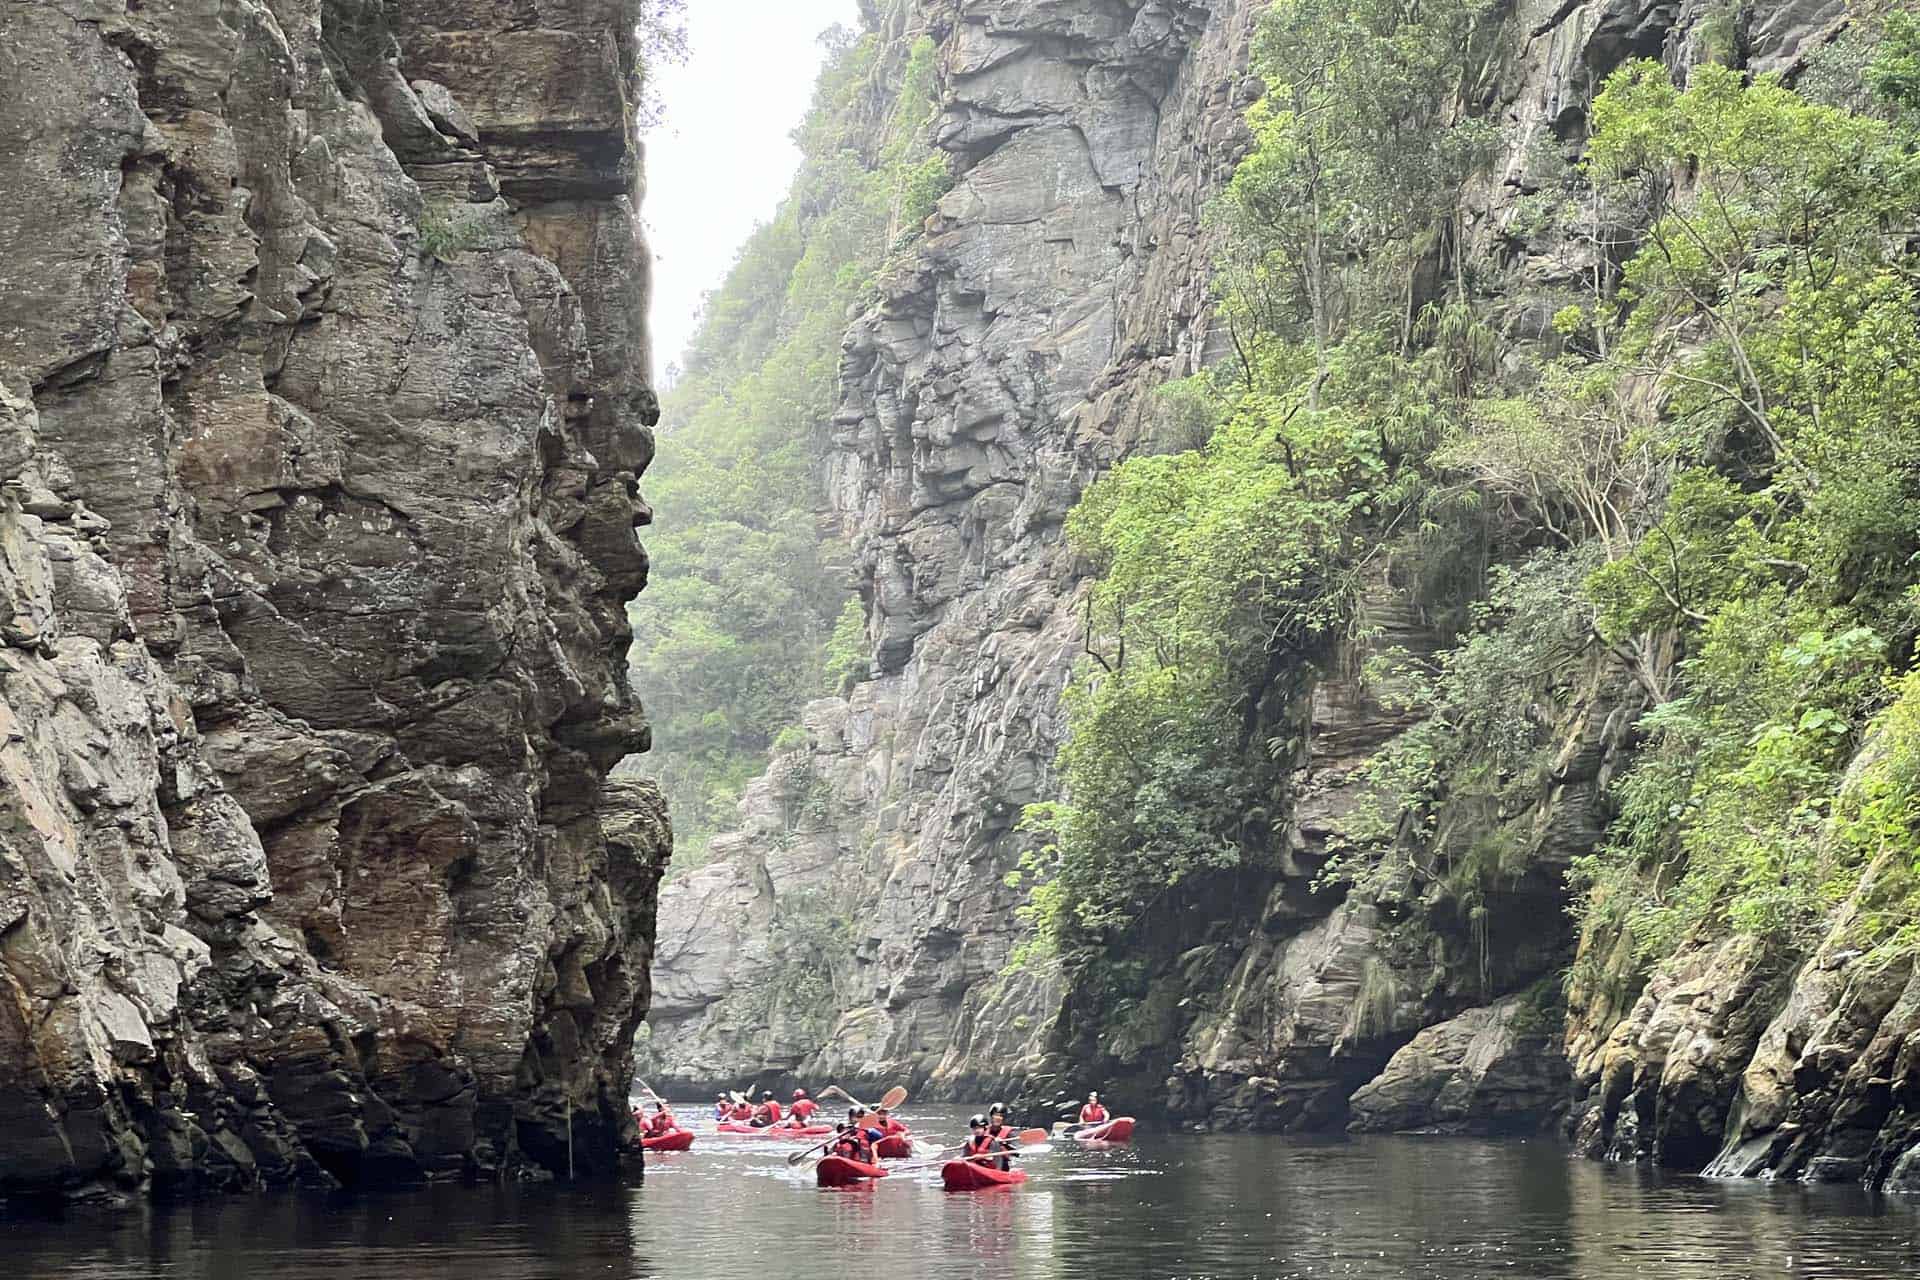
x=1319 y=565
x=1412 y=890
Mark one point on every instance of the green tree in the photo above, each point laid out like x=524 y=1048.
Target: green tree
x=749 y=614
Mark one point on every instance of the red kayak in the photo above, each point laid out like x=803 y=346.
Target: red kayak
x=978 y=1175
x=1118 y=1129
x=895 y=1146
x=672 y=1140
x=774 y=1130
x=838 y=1171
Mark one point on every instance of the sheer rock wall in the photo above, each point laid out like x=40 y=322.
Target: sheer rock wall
x=323 y=401
x=1008 y=361
x=1065 y=276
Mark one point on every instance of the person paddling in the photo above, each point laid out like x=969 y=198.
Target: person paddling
x=661 y=1121
x=1001 y=1132
x=722 y=1106
x=742 y=1112
x=983 y=1142
x=1093 y=1112
x=803 y=1107
x=888 y=1123
x=855 y=1140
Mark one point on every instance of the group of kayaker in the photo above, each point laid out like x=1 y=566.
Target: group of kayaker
x=852 y=1149
x=738 y=1108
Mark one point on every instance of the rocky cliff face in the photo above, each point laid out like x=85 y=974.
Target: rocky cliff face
x=1012 y=357
x=323 y=398
x=1065 y=277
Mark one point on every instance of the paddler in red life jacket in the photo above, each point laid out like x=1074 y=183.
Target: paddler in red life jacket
x=1093 y=1112
x=1001 y=1132
x=803 y=1107
x=981 y=1142
x=888 y=1123
x=742 y=1112
x=855 y=1140
x=772 y=1106
x=661 y=1121
x=722 y=1107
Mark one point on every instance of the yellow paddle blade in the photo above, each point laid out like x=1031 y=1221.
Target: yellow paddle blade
x=894 y=1097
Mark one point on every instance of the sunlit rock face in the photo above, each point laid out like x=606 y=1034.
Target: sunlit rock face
x=323 y=402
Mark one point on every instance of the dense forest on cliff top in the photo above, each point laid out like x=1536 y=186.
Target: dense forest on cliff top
x=751 y=611
x=1705 y=472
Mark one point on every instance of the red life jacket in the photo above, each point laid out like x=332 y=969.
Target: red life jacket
x=1093 y=1113
x=853 y=1145
x=979 y=1144
x=804 y=1108
x=742 y=1112
x=661 y=1122
x=773 y=1112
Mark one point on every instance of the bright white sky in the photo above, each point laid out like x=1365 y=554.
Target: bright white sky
x=720 y=161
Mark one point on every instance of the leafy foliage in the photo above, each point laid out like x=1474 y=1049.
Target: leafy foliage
x=1228 y=569
x=1784 y=559
x=1706 y=478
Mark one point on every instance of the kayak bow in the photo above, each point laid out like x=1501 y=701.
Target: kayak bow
x=672 y=1140
x=975 y=1175
x=838 y=1171
x=1118 y=1129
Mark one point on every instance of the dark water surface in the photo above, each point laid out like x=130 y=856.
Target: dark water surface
x=1228 y=1206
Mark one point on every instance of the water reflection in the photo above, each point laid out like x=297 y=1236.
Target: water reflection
x=1217 y=1206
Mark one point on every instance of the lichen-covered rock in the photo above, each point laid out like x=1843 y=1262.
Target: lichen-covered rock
x=320 y=485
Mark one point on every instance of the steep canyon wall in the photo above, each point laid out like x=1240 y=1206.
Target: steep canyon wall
x=859 y=925
x=324 y=395
x=1010 y=358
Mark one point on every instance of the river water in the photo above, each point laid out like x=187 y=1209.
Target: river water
x=1226 y=1206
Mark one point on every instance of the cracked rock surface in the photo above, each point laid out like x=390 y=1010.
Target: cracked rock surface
x=323 y=402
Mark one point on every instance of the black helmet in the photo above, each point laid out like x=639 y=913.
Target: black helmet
x=978 y=1122
x=766 y=1095
x=841 y=1127
x=854 y=1113
x=997 y=1109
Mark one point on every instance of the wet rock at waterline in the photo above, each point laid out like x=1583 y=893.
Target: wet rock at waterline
x=323 y=402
